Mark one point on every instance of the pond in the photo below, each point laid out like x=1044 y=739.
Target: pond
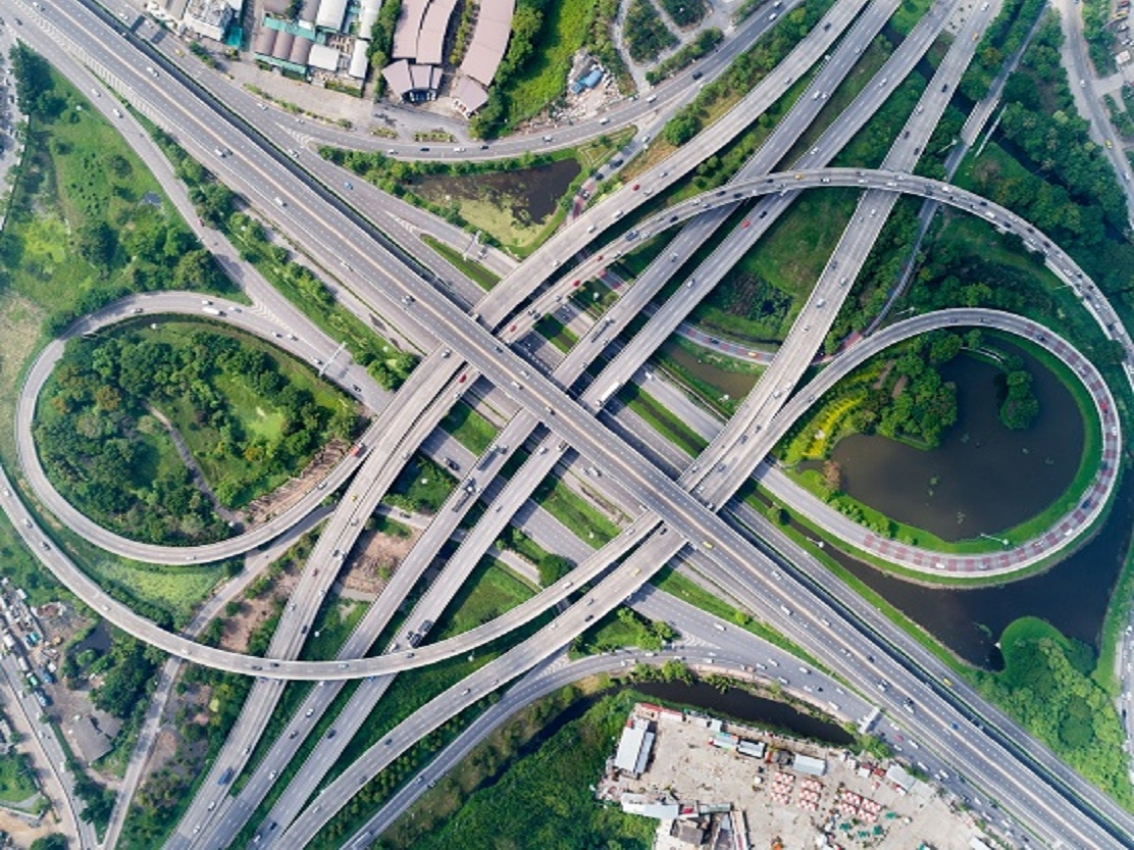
x=736 y=384
x=529 y=193
x=1072 y=596
x=741 y=705
x=983 y=478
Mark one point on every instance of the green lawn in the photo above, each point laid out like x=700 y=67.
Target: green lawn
x=177 y=589
x=662 y=419
x=422 y=486
x=557 y=333
x=490 y=591
x=471 y=269
x=470 y=429
x=16 y=784
x=577 y=514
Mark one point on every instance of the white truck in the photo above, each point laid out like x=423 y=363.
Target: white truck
x=606 y=396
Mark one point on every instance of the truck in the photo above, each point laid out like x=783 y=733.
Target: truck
x=22 y=663
x=42 y=699
x=9 y=641
x=868 y=722
x=212 y=311
x=606 y=396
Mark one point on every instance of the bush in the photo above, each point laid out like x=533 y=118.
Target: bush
x=645 y=34
x=684 y=13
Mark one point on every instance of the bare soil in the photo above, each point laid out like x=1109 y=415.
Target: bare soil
x=283 y=497
x=378 y=558
x=21 y=832
x=238 y=629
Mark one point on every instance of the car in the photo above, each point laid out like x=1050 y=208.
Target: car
x=697 y=75
x=348 y=184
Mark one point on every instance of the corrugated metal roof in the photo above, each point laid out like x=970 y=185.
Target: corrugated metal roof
x=330 y=14
x=490 y=40
x=359 y=61
x=407 y=28
x=397 y=76
x=323 y=57
x=470 y=94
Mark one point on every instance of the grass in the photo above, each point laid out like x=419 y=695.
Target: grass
x=16 y=779
x=178 y=590
x=503 y=797
x=471 y=269
x=578 y=515
x=564 y=30
x=421 y=486
x=255 y=413
x=469 y=428
x=557 y=333
x=492 y=590
x=662 y=420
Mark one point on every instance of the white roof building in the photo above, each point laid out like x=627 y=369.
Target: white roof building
x=359 y=61
x=634 y=747
x=323 y=57
x=810 y=766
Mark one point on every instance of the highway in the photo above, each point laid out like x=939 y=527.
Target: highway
x=583 y=435
x=685 y=514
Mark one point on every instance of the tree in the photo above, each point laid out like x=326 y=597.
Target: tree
x=552 y=568
x=55 y=841
x=96 y=243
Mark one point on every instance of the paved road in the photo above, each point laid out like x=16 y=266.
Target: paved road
x=1081 y=76
x=1059 y=262
x=473 y=343
x=47 y=755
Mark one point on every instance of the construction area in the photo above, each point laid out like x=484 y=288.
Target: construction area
x=715 y=784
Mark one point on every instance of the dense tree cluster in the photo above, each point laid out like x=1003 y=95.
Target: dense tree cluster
x=1048 y=687
x=99 y=406
x=685 y=13
x=1020 y=407
x=914 y=401
x=645 y=33
x=382 y=37
x=1003 y=37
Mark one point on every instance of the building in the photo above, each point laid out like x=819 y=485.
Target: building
x=90 y=741
x=808 y=765
x=649 y=807
x=634 y=747
x=209 y=18
x=897 y=776
x=691 y=832
x=411 y=81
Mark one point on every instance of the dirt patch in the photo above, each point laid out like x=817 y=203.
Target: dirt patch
x=378 y=557
x=22 y=832
x=881 y=382
x=899 y=386
x=283 y=497
x=238 y=628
